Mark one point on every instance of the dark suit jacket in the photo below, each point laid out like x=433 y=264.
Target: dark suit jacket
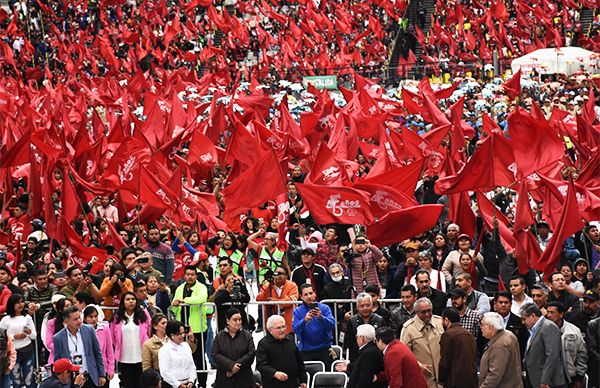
x=369 y=363
x=91 y=346
x=544 y=360
x=516 y=327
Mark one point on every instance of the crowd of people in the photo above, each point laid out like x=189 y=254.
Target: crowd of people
x=454 y=318
x=151 y=213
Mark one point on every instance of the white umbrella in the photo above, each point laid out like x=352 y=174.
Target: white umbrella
x=563 y=60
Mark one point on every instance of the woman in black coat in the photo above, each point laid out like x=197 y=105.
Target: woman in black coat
x=233 y=351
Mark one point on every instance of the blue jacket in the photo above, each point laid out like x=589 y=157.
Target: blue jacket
x=91 y=346
x=316 y=334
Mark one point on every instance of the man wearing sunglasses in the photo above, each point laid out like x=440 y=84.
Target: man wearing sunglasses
x=422 y=335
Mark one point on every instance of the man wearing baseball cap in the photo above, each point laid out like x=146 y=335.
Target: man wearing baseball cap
x=61 y=375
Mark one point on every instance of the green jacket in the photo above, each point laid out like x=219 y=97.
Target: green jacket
x=197 y=318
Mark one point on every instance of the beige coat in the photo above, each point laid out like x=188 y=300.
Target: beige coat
x=451 y=266
x=501 y=362
x=424 y=341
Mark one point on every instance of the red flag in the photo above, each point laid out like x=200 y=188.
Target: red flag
x=117 y=240
x=527 y=248
x=403 y=179
x=124 y=166
x=326 y=170
x=512 y=87
x=330 y=205
x=79 y=252
x=570 y=222
x=477 y=173
x=498 y=10
x=385 y=199
x=254 y=186
x=402 y=224
x=461 y=213
x=487 y=211
x=283 y=215
x=535 y=144
x=202 y=149
x=69 y=198
x=17 y=155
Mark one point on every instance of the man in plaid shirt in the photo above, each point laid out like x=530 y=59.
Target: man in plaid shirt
x=469 y=319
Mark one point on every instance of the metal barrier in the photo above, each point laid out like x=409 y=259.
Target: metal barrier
x=260 y=304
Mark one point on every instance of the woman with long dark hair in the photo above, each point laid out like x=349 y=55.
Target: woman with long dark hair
x=233 y=351
x=20 y=327
x=130 y=327
x=93 y=315
x=55 y=324
x=114 y=286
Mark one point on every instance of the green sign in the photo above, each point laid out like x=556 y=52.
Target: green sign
x=321 y=82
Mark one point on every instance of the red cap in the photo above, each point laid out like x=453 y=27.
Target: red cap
x=464 y=235
x=63 y=365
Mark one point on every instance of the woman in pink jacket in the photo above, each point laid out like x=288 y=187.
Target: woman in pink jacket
x=130 y=327
x=55 y=324
x=93 y=315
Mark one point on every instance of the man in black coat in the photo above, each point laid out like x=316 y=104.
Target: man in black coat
x=364 y=305
x=561 y=294
x=438 y=299
x=512 y=323
x=369 y=362
x=278 y=359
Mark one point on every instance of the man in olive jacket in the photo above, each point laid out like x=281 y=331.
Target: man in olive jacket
x=278 y=359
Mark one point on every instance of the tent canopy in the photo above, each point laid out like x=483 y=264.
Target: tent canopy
x=563 y=60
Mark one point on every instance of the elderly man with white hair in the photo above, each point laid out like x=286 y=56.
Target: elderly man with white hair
x=501 y=360
x=278 y=359
x=422 y=335
x=364 y=305
x=369 y=362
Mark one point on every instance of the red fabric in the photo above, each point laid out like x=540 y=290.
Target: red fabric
x=403 y=179
x=326 y=170
x=535 y=144
x=570 y=222
x=478 y=173
x=402 y=224
x=488 y=211
x=385 y=199
x=512 y=87
x=254 y=186
x=527 y=248
x=401 y=367
x=80 y=253
x=329 y=205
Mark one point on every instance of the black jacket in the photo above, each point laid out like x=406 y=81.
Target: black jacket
x=301 y=275
x=570 y=301
x=350 y=334
x=280 y=356
x=339 y=290
x=515 y=326
x=368 y=364
x=438 y=299
x=222 y=297
x=228 y=351
x=593 y=345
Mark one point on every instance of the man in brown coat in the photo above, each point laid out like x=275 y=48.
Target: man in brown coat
x=458 y=364
x=501 y=361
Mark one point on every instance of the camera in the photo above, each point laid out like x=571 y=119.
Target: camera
x=121 y=278
x=187 y=329
x=85 y=273
x=143 y=260
x=349 y=256
x=236 y=292
x=269 y=276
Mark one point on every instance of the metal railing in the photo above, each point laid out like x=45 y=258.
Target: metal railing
x=279 y=305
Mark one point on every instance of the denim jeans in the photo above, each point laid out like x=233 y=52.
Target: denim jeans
x=22 y=373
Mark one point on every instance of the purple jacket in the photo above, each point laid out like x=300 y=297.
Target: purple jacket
x=116 y=330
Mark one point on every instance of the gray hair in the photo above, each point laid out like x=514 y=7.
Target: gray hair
x=424 y=300
x=366 y=331
x=493 y=320
x=334 y=265
x=271 y=235
x=362 y=296
x=530 y=309
x=454 y=226
x=273 y=320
